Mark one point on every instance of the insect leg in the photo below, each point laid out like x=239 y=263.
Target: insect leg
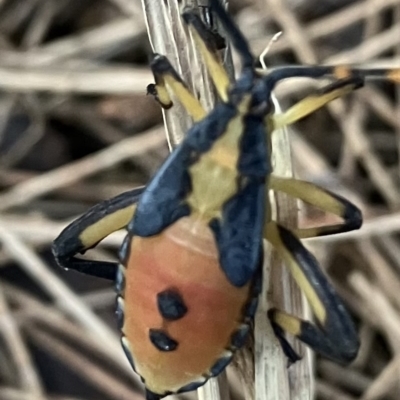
x=88 y=230
x=312 y=103
x=166 y=76
x=334 y=334
x=236 y=37
x=324 y=200
x=205 y=39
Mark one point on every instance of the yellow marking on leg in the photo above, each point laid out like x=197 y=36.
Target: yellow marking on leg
x=272 y=235
x=308 y=106
x=287 y=322
x=161 y=94
x=306 y=233
x=191 y=104
x=322 y=199
x=166 y=77
x=108 y=224
x=309 y=193
x=214 y=65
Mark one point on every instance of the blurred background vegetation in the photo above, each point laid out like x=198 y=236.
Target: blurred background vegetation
x=76 y=127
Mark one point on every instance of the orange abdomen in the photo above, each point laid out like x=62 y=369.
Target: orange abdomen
x=183 y=258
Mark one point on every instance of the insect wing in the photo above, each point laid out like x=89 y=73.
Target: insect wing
x=161 y=204
x=239 y=233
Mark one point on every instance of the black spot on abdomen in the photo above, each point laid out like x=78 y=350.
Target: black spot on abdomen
x=171 y=305
x=162 y=341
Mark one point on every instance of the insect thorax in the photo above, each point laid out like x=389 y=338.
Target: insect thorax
x=215 y=176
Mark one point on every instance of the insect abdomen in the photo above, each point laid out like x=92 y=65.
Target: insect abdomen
x=177 y=273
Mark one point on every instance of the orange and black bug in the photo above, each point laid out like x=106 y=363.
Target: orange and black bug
x=190 y=270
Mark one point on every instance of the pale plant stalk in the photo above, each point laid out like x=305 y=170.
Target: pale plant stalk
x=267 y=378
x=273 y=380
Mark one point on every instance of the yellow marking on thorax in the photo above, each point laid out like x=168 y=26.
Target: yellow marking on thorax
x=214 y=175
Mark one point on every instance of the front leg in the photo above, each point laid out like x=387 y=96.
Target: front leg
x=166 y=77
x=92 y=227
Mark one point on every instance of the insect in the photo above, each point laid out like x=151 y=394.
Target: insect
x=190 y=266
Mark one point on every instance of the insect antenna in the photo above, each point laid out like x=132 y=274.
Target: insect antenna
x=339 y=72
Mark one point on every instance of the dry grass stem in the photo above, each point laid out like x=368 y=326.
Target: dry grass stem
x=76 y=128
x=10 y=334
x=61 y=294
x=90 y=44
x=61 y=80
x=88 y=369
x=80 y=169
x=272 y=377
x=381 y=313
x=386 y=384
x=331 y=24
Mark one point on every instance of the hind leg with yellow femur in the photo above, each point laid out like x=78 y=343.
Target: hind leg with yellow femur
x=333 y=335
x=92 y=227
x=308 y=192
